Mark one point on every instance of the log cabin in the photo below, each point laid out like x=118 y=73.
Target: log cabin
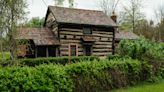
x=70 y=32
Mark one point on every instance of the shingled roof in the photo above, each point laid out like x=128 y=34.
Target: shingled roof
x=40 y=36
x=125 y=35
x=81 y=16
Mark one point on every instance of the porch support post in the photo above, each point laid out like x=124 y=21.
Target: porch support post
x=36 y=52
x=47 y=55
x=77 y=50
x=56 y=51
x=69 y=53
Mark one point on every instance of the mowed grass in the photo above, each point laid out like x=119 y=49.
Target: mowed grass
x=156 y=87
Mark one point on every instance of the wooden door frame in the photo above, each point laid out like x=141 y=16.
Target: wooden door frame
x=69 y=49
x=84 y=49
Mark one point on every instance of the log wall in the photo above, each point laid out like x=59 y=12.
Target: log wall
x=101 y=47
x=70 y=36
x=104 y=42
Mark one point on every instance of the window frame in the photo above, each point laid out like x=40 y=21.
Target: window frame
x=86 y=29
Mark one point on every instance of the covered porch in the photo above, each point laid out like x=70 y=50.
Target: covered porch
x=41 y=43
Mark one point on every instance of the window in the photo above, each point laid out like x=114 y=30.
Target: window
x=73 y=50
x=88 y=50
x=87 y=31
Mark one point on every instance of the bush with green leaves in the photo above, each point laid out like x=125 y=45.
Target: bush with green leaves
x=57 y=60
x=84 y=76
x=141 y=49
x=117 y=56
x=44 y=78
x=105 y=75
x=48 y=60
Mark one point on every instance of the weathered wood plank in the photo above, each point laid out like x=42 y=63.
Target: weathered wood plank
x=104 y=39
x=70 y=37
x=66 y=49
x=65 y=45
x=55 y=29
x=102 y=50
x=70 y=33
x=50 y=18
x=103 y=32
x=81 y=34
x=103 y=43
x=70 y=41
x=102 y=46
x=66 y=53
x=71 y=30
x=102 y=35
x=102 y=54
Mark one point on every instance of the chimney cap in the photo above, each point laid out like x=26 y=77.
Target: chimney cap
x=113 y=13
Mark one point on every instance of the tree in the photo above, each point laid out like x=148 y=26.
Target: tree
x=35 y=22
x=160 y=26
x=71 y=3
x=146 y=28
x=12 y=12
x=61 y=2
x=108 y=6
x=132 y=14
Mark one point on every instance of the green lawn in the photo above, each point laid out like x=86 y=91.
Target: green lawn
x=156 y=87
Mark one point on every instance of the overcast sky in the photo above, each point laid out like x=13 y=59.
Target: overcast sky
x=38 y=8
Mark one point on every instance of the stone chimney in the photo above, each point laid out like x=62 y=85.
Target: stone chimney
x=114 y=17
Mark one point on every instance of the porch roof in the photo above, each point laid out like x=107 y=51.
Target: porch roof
x=40 y=36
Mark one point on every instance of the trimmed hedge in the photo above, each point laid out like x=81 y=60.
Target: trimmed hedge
x=79 y=77
x=54 y=60
x=57 y=60
x=106 y=75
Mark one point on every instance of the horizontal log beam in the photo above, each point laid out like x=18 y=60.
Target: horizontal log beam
x=102 y=46
x=103 y=32
x=71 y=30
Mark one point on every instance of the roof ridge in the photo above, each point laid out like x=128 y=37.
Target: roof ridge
x=81 y=16
x=76 y=8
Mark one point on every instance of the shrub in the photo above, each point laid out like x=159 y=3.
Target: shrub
x=45 y=78
x=141 y=49
x=4 y=56
x=110 y=57
x=57 y=60
x=79 y=77
x=105 y=75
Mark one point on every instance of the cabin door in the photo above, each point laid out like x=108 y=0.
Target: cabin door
x=41 y=51
x=52 y=51
x=88 y=50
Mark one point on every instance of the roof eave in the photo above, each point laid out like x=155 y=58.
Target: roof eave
x=115 y=26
